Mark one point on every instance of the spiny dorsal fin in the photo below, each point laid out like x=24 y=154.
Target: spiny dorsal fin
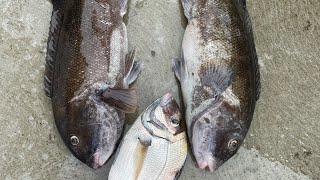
x=54 y=31
x=217 y=77
x=125 y=100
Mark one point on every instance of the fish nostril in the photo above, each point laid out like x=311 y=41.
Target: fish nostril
x=207 y=120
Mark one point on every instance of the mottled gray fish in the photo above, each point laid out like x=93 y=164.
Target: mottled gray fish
x=219 y=75
x=88 y=72
x=155 y=147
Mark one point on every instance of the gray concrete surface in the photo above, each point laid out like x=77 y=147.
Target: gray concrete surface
x=284 y=139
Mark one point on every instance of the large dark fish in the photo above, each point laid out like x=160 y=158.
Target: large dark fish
x=88 y=72
x=219 y=75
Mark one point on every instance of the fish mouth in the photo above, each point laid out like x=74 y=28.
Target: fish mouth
x=203 y=144
x=98 y=159
x=207 y=161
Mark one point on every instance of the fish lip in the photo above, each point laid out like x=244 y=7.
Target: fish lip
x=98 y=159
x=207 y=161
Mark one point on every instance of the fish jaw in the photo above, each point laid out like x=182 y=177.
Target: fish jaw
x=203 y=145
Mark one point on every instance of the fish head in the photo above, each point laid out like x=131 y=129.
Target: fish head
x=93 y=130
x=164 y=117
x=216 y=135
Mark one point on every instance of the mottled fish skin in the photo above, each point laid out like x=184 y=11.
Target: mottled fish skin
x=219 y=75
x=87 y=50
x=155 y=147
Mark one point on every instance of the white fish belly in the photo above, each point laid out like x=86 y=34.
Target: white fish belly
x=163 y=160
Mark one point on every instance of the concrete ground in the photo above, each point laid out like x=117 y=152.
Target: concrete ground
x=284 y=139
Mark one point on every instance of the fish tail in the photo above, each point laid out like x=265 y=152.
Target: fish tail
x=188 y=6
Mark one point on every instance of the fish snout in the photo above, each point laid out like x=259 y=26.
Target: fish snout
x=207 y=161
x=97 y=160
x=166 y=99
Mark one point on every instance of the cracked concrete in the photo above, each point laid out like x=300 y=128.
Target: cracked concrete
x=283 y=142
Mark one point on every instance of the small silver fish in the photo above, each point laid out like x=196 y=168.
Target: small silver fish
x=155 y=147
x=219 y=76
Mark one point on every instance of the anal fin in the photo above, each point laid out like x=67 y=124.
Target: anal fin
x=132 y=68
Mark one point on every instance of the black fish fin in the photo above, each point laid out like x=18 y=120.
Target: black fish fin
x=125 y=100
x=218 y=77
x=123 y=7
x=179 y=67
x=188 y=6
x=132 y=68
x=56 y=4
x=54 y=31
x=241 y=4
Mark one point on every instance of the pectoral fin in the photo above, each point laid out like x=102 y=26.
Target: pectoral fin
x=217 y=77
x=140 y=154
x=125 y=100
x=179 y=67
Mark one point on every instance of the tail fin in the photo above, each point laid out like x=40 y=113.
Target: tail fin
x=188 y=6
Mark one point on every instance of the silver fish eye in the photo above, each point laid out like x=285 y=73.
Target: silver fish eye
x=175 y=122
x=233 y=144
x=74 y=140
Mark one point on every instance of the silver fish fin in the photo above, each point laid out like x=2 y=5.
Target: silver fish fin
x=125 y=100
x=132 y=68
x=53 y=39
x=145 y=141
x=123 y=7
x=217 y=77
x=179 y=68
x=188 y=6
x=241 y=4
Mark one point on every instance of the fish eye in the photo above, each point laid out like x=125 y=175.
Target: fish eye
x=233 y=145
x=175 y=122
x=74 y=140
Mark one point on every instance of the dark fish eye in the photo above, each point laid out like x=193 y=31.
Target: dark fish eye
x=74 y=140
x=175 y=122
x=233 y=145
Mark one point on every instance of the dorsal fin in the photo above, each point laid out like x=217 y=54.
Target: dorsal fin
x=241 y=4
x=54 y=31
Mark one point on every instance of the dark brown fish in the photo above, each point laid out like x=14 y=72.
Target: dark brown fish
x=219 y=76
x=88 y=72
